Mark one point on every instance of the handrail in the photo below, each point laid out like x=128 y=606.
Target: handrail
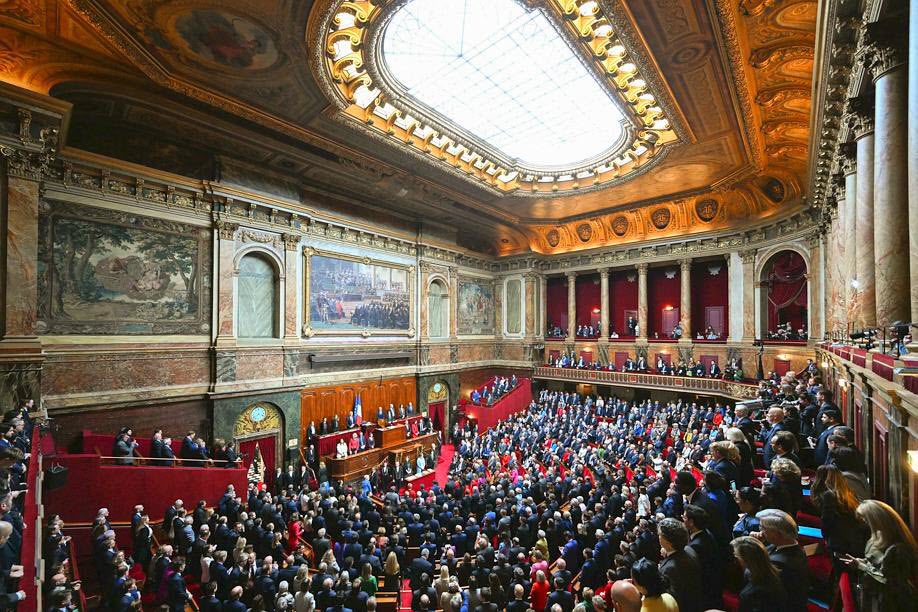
x=139 y=461
x=719 y=386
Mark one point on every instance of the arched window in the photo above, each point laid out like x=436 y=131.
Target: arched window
x=257 y=298
x=437 y=310
x=785 y=292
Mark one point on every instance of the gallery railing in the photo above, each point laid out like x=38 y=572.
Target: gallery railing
x=711 y=386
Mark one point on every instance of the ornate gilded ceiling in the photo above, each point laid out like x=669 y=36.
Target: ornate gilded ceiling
x=732 y=77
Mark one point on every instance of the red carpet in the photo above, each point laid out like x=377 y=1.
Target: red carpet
x=446 y=458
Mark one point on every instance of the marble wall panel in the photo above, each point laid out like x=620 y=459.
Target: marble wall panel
x=258 y=365
x=100 y=371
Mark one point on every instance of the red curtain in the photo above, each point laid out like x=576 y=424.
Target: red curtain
x=266 y=446
x=781 y=366
x=661 y=292
x=709 y=290
x=787 y=295
x=587 y=290
x=556 y=294
x=623 y=295
x=436 y=412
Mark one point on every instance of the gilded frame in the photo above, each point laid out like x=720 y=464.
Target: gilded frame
x=309 y=331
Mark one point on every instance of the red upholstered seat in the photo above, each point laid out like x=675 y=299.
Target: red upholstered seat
x=809 y=520
x=820 y=567
x=731 y=601
x=759 y=473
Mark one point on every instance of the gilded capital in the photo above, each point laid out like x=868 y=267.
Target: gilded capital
x=885 y=56
x=748 y=256
x=686 y=263
x=291 y=241
x=570 y=275
x=641 y=268
x=226 y=230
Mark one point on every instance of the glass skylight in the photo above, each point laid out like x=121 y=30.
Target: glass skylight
x=503 y=74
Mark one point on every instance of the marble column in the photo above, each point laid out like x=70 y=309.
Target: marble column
x=642 y=301
x=453 y=303
x=835 y=290
x=749 y=286
x=571 y=306
x=291 y=260
x=530 y=286
x=604 y=303
x=424 y=303
x=849 y=269
x=816 y=278
x=891 y=240
x=226 y=277
x=913 y=154
x=866 y=315
x=685 y=298
x=543 y=300
x=735 y=297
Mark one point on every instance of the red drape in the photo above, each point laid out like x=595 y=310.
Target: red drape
x=709 y=290
x=437 y=411
x=556 y=296
x=661 y=292
x=787 y=293
x=623 y=295
x=587 y=289
x=266 y=446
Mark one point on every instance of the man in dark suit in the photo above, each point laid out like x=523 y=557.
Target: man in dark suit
x=779 y=531
x=680 y=565
x=589 y=571
x=177 y=594
x=234 y=604
x=745 y=424
x=561 y=597
x=693 y=494
x=775 y=417
x=831 y=419
x=519 y=603
x=706 y=549
x=420 y=566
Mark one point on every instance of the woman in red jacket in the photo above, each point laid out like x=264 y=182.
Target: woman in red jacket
x=538 y=595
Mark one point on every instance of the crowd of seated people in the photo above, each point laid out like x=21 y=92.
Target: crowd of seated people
x=501 y=386
x=580 y=502
x=555 y=331
x=15 y=450
x=784 y=331
x=691 y=368
x=193 y=451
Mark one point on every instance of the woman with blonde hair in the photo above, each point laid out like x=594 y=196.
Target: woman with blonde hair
x=441 y=584
x=239 y=550
x=725 y=459
x=784 y=491
x=741 y=444
x=887 y=570
x=391 y=573
x=762 y=589
x=329 y=559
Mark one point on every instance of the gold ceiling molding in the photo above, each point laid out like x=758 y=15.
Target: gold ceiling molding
x=751 y=200
x=347 y=39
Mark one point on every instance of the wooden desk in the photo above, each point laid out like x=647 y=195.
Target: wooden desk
x=353 y=467
x=389 y=436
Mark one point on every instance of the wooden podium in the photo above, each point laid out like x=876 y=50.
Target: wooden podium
x=389 y=436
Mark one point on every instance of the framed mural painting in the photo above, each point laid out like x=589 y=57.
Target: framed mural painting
x=350 y=295
x=475 y=316
x=103 y=271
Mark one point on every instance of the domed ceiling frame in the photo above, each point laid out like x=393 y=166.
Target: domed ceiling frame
x=585 y=25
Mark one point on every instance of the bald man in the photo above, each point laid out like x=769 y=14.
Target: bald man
x=626 y=597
